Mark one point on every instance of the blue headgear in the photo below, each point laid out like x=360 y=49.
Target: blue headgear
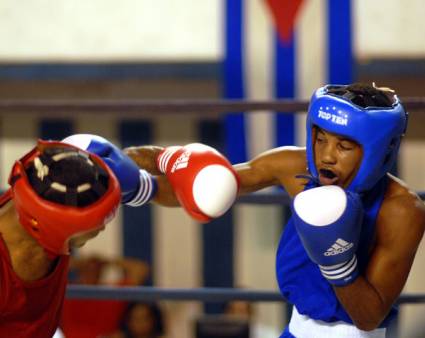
x=377 y=129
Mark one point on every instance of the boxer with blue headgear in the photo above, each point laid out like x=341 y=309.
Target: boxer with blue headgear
x=352 y=222
x=346 y=218
x=350 y=217
x=378 y=129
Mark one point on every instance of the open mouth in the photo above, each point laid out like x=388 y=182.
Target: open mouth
x=327 y=177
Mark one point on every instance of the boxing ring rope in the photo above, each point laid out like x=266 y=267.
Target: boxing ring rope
x=182 y=106
x=146 y=293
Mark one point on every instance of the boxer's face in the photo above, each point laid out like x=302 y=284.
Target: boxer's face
x=337 y=158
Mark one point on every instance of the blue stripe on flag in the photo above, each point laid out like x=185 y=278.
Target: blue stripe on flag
x=137 y=222
x=284 y=72
x=233 y=81
x=340 y=53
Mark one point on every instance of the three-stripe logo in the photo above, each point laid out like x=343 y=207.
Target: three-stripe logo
x=340 y=246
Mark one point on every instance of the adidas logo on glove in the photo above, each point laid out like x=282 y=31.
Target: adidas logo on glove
x=182 y=162
x=340 y=246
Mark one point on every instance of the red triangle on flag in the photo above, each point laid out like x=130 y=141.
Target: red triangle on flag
x=284 y=13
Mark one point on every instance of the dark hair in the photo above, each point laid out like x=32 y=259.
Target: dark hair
x=365 y=95
x=154 y=309
x=68 y=177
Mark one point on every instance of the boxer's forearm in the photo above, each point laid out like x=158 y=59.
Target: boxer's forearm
x=165 y=195
x=363 y=304
x=145 y=157
x=251 y=179
x=370 y=297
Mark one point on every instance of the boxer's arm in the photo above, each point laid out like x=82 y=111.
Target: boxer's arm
x=145 y=157
x=277 y=166
x=400 y=228
x=274 y=167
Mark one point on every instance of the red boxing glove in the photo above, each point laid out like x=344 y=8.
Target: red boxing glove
x=204 y=181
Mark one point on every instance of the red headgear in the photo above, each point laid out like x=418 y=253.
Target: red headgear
x=53 y=224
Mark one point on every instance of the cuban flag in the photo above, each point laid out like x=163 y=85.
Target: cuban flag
x=276 y=49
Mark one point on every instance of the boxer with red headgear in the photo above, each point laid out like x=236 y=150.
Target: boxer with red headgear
x=59 y=197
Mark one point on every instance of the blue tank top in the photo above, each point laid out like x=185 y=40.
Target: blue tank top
x=300 y=280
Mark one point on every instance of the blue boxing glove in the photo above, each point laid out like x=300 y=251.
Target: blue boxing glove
x=137 y=185
x=328 y=221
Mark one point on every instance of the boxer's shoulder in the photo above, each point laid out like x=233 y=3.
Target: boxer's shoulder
x=284 y=164
x=399 y=196
x=401 y=210
x=284 y=160
x=289 y=162
x=277 y=166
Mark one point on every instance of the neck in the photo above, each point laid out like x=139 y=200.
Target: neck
x=28 y=258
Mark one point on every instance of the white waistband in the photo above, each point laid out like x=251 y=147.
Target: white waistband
x=304 y=327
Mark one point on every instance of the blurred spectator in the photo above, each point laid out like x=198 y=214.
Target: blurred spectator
x=141 y=320
x=239 y=308
x=86 y=318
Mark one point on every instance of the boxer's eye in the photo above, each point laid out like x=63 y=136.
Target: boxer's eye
x=327 y=173
x=320 y=138
x=346 y=146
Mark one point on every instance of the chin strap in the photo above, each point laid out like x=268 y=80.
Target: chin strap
x=312 y=180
